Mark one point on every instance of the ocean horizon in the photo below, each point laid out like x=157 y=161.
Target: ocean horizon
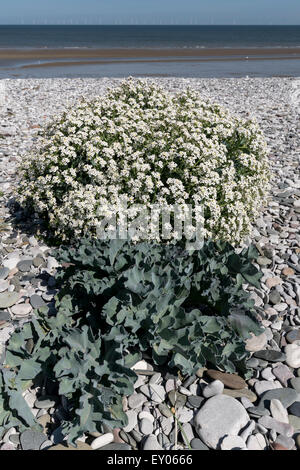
x=106 y=50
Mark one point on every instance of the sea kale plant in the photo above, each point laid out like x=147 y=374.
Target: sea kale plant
x=140 y=144
x=118 y=302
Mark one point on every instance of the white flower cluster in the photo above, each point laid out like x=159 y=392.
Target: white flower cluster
x=152 y=147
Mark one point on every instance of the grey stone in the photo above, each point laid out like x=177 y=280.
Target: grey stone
x=264 y=385
x=166 y=424
x=185 y=415
x=270 y=355
x=4 y=285
x=132 y=420
x=256 y=442
x=281 y=428
x=195 y=401
x=294 y=422
x=37 y=301
x=136 y=400
x=197 y=444
x=24 y=265
x=127 y=438
x=7 y=299
x=155 y=392
x=295 y=383
x=45 y=403
x=137 y=436
x=233 y=443
x=284 y=441
x=292 y=352
x=165 y=410
x=287 y=396
x=146 y=426
x=214 y=388
x=177 y=398
x=293 y=335
x=187 y=433
x=294 y=409
x=4 y=273
x=32 y=440
x=221 y=415
x=257 y=411
x=274 y=297
x=278 y=411
x=283 y=373
x=151 y=443
x=163 y=440
x=4 y=316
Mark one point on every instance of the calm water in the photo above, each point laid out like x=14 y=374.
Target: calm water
x=149 y=36
x=152 y=37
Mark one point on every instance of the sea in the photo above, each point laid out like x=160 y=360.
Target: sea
x=152 y=37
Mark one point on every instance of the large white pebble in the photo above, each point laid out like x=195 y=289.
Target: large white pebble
x=292 y=352
x=102 y=441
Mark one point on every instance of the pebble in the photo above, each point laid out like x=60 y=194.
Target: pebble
x=282 y=373
x=177 y=398
x=24 y=266
x=278 y=411
x=233 y=443
x=185 y=415
x=287 y=396
x=155 y=392
x=4 y=273
x=292 y=352
x=32 y=440
x=214 y=388
x=229 y=380
x=136 y=400
x=4 y=285
x=102 y=441
x=270 y=355
x=256 y=442
x=264 y=385
x=256 y=343
x=146 y=415
x=241 y=393
x=146 y=426
x=151 y=443
x=165 y=410
x=195 y=401
x=294 y=422
x=295 y=383
x=220 y=415
x=7 y=299
x=44 y=403
x=197 y=444
x=187 y=433
x=281 y=428
x=293 y=336
x=294 y=409
x=21 y=310
x=37 y=301
x=284 y=441
x=132 y=420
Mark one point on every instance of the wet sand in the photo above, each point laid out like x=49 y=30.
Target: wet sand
x=59 y=54
x=141 y=61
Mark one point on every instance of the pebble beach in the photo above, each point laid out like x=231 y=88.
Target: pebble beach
x=262 y=413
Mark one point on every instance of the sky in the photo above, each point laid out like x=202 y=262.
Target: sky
x=150 y=12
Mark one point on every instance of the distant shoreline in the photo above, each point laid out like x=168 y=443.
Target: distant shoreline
x=143 y=53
